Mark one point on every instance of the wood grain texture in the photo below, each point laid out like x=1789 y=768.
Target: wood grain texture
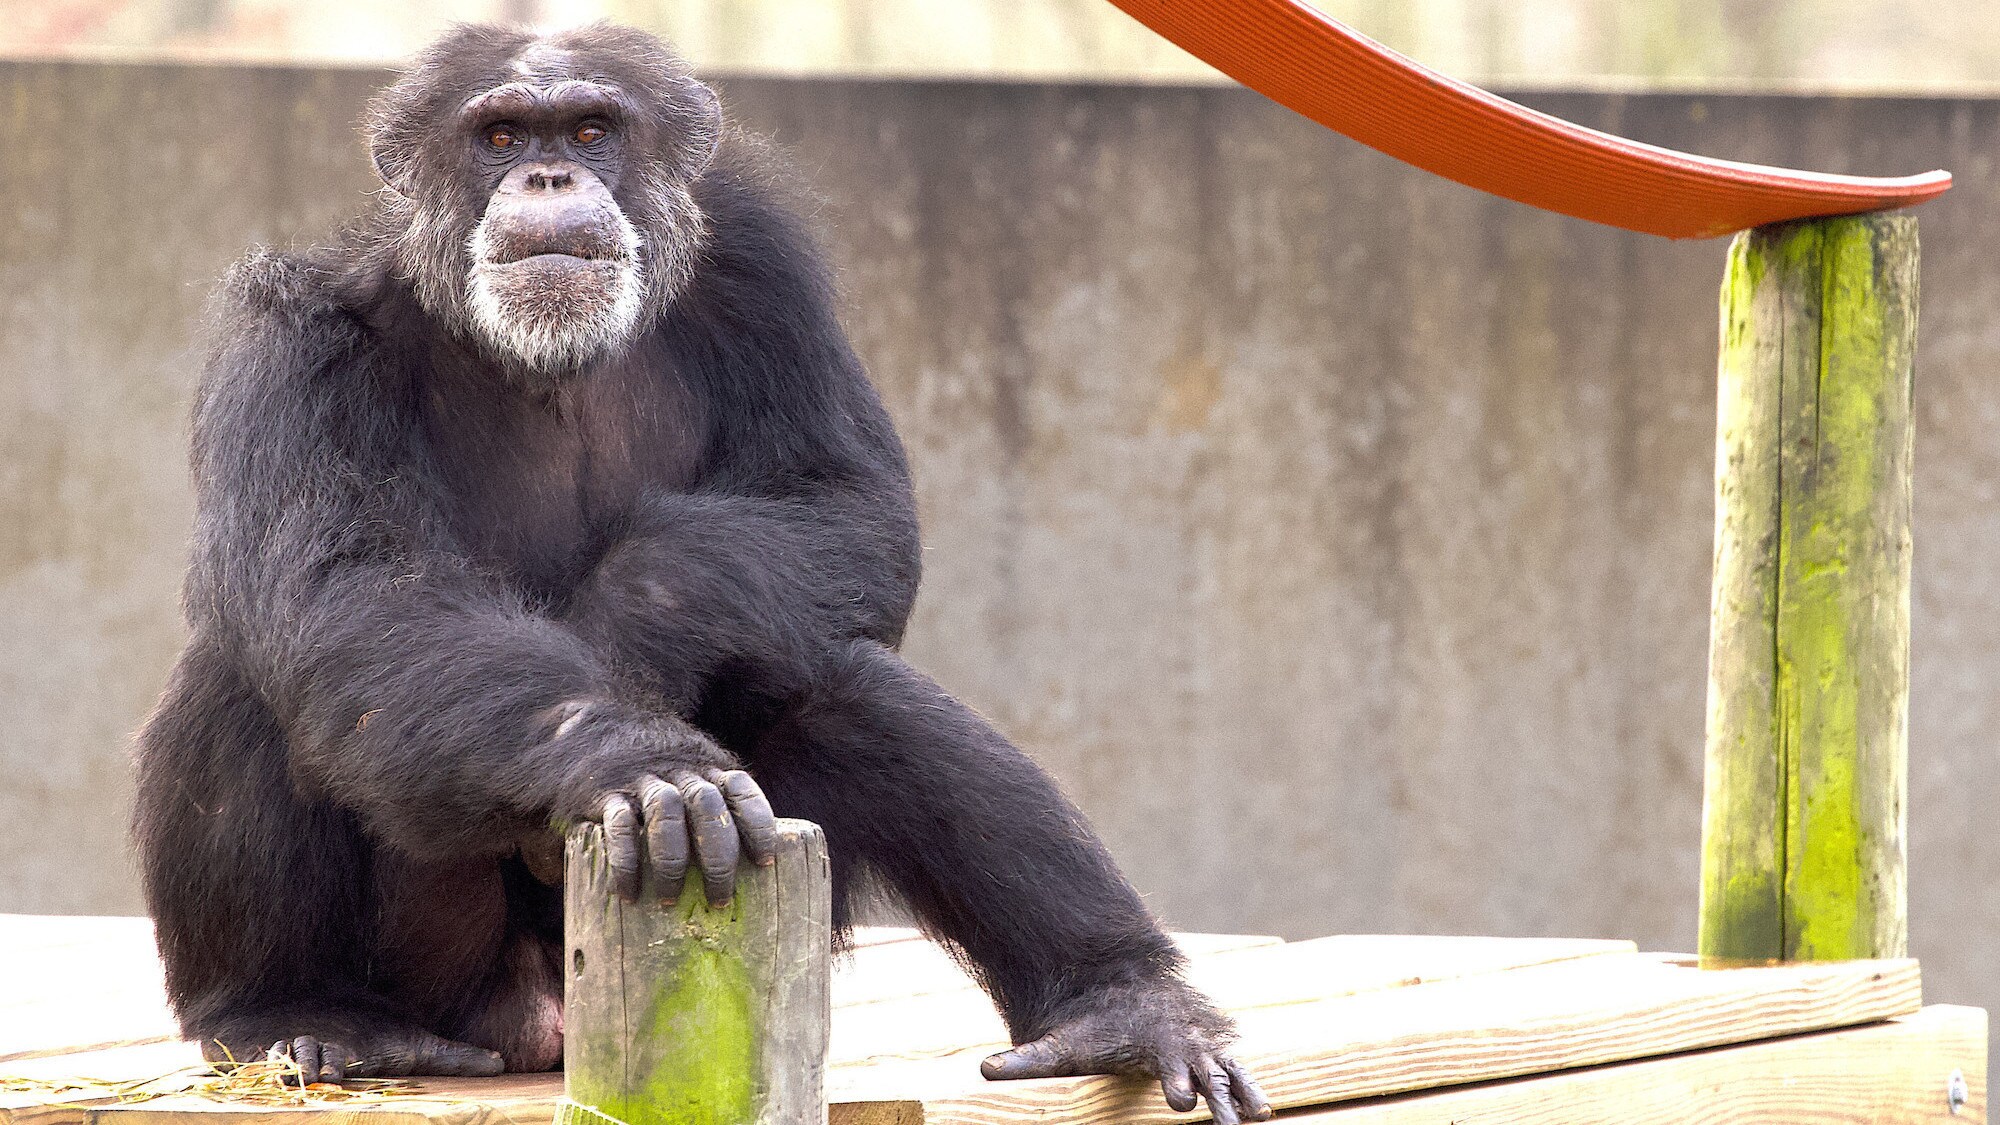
x=896 y=971
x=99 y=985
x=929 y=1025
x=864 y=937
x=692 y=1015
x=1488 y=1009
x=1894 y=1073
x=520 y=1099
x=1242 y=971
x=1808 y=720
x=1524 y=1021
x=1884 y=1073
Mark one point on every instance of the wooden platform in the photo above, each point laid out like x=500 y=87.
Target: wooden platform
x=1339 y=1030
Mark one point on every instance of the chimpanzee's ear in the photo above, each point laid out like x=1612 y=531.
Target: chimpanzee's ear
x=390 y=126
x=694 y=116
x=390 y=168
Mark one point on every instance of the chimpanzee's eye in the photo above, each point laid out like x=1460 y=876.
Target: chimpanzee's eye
x=502 y=137
x=589 y=133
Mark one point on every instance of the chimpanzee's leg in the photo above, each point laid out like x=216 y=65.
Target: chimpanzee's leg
x=913 y=786
x=263 y=898
x=472 y=950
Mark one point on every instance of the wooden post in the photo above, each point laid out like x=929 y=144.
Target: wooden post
x=1808 y=681
x=684 y=1015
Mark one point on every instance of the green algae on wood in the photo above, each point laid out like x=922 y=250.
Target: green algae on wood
x=687 y=1015
x=1808 y=693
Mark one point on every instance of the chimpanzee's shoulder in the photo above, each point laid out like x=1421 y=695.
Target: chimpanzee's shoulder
x=761 y=215
x=295 y=286
x=285 y=324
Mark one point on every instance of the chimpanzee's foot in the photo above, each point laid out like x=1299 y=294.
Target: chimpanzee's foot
x=335 y=1048
x=1160 y=1029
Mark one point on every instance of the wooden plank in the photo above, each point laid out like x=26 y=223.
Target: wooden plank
x=37 y=933
x=886 y=973
x=925 y=1026
x=693 y=1015
x=866 y=937
x=1196 y=944
x=1597 y=1009
x=1884 y=1074
x=96 y=983
x=1249 y=975
x=515 y=1099
x=1808 y=714
x=1348 y=964
x=1881 y=1074
x=1526 y=1021
x=113 y=1064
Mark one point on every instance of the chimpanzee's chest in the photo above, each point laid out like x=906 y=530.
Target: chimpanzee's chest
x=539 y=484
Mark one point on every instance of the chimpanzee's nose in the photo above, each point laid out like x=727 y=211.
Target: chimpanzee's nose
x=552 y=207
x=547 y=178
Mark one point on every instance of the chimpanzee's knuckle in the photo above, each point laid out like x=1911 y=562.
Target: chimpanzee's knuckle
x=656 y=793
x=704 y=799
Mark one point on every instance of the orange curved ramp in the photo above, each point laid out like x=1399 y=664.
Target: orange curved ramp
x=1307 y=62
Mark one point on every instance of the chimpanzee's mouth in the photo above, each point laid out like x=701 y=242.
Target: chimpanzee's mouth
x=564 y=258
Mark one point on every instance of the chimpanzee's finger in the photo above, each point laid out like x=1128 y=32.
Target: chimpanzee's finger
x=666 y=837
x=1041 y=1058
x=754 y=820
x=1251 y=1099
x=1178 y=1087
x=715 y=844
x=1216 y=1088
x=305 y=1055
x=434 y=1054
x=621 y=845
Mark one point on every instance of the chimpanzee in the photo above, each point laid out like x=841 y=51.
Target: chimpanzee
x=551 y=492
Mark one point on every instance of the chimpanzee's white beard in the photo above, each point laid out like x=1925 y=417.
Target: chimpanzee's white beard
x=553 y=312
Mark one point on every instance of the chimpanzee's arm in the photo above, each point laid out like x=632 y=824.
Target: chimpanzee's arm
x=915 y=788
x=414 y=691
x=802 y=533
x=708 y=583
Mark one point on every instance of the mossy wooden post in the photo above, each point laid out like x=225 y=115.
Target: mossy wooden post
x=684 y=1015
x=1808 y=689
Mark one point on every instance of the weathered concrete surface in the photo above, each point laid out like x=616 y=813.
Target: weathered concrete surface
x=1853 y=44
x=1340 y=536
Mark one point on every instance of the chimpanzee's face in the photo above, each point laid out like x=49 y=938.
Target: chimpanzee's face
x=546 y=187
x=556 y=277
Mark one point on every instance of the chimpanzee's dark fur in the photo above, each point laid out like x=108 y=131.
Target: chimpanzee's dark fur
x=440 y=596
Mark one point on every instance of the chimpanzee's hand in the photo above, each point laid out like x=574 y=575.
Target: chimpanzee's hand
x=690 y=806
x=1160 y=1029
x=712 y=815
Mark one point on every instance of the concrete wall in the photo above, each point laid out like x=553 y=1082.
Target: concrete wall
x=1339 y=535
x=1858 y=44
